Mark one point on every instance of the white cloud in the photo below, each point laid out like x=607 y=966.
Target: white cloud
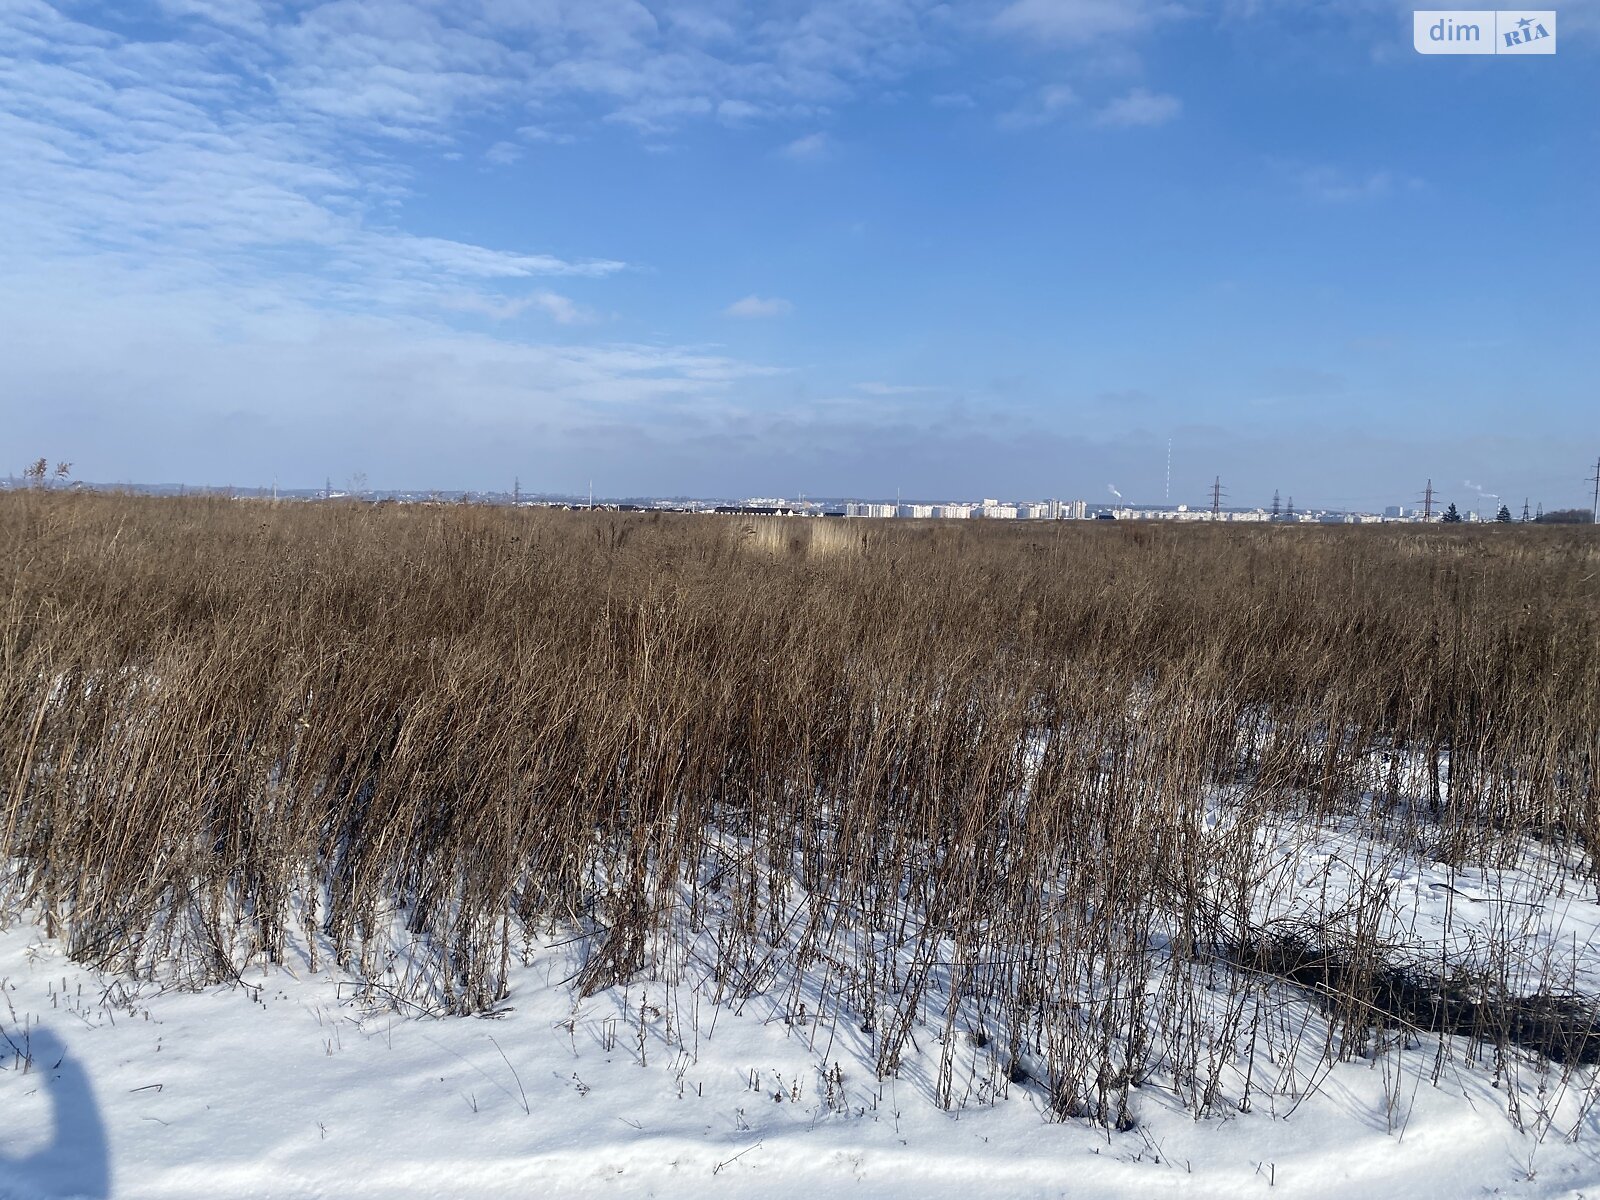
x=813 y=147
x=1332 y=185
x=248 y=139
x=1080 y=21
x=734 y=112
x=502 y=154
x=171 y=158
x=1140 y=107
x=758 y=306
x=658 y=114
x=537 y=133
x=224 y=206
x=172 y=380
x=409 y=68
x=561 y=310
x=1044 y=106
x=891 y=389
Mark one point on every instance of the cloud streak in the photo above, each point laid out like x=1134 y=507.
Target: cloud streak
x=1333 y=185
x=165 y=157
x=811 y=147
x=235 y=139
x=1044 y=106
x=1080 y=21
x=1139 y=108
x=168 y=390
x=223 y=200
x=757 y=307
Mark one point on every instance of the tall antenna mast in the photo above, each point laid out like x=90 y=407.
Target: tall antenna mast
x=1168 y=500
x=1594 y=513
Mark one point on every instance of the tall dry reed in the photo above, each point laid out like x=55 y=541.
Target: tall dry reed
x=960 y=775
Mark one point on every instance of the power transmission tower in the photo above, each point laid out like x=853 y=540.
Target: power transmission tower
x=516 y=491
x=1277 y=505
x=1216 y=497
x=1525 y=517
x=1290 y=511
x=1427 y=502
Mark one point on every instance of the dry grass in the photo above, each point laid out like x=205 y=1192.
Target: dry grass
x=778 y=537
x=957 y=774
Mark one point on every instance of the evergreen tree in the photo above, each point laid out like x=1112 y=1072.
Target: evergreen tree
x=1451 y=515
x=1504 y=515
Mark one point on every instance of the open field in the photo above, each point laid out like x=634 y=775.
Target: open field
x=1115 y=823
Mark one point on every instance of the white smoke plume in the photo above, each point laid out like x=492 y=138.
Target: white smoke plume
x=1112 y=488
x=1487 y=495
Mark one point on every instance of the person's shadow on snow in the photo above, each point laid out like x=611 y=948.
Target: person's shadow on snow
x=77 y=1160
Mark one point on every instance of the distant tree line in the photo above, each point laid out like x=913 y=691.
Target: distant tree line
x=1567 y=516
x=1560 y=516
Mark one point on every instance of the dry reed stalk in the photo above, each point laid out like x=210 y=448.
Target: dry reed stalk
x=963 y=773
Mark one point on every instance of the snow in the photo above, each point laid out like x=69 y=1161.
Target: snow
x=295 y=1085
x=722 y=1077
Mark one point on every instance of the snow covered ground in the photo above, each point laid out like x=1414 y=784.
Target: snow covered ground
x=292 y=1085
x=303 y=1081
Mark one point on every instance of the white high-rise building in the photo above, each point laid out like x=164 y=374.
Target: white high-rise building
x=856 y=509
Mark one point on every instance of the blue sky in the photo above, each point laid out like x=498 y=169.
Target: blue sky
x=997 y=247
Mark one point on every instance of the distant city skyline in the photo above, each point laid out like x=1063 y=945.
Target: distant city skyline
x=1065 y=504
x=847 y=247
